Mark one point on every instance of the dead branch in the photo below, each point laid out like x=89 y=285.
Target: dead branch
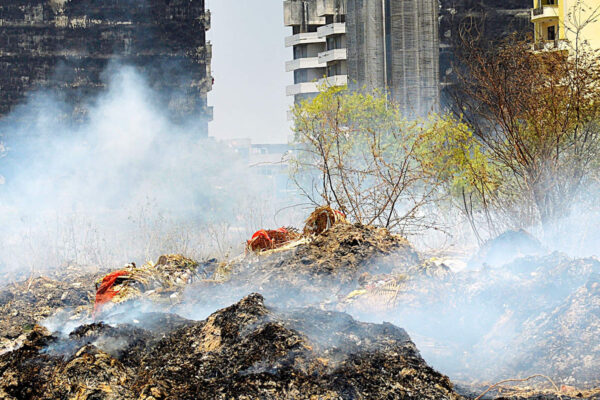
x=518 y=380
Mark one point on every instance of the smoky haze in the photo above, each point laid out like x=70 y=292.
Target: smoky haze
x=129 y=184
x=125 y=185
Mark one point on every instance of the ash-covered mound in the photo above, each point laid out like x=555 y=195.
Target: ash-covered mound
x=565 y=341
x=535 y=315
x=318 y=270
x=24 y=304
x=244 y=351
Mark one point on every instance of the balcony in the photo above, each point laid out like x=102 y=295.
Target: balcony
x=551 y=45
x=302 y=88
x=544 y=13
x=294 y=13
x=333 y=55
x=336 y=80
x=330 y=7
x=303 y=63
x=336 y=28
x=303 y=38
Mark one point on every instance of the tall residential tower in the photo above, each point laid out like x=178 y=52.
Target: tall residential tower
x=318 y=41
x=375 y=44
x=407 y=47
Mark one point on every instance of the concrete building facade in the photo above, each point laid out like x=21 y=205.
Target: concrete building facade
x=407 y=47
x=372 y=44
x=394 y=45
x=318 y=42
x=66 y=45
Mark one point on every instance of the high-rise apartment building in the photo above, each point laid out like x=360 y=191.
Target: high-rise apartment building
x=318 y=41
x=407 y=47
x=383 y=44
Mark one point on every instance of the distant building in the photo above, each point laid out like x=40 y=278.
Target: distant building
x=66 y=45
x=318 y=42
x=407 y=47
x=375 y=44
x=268 y=161
x=557 y=22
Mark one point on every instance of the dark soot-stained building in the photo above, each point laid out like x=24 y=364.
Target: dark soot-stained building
x=67 y=44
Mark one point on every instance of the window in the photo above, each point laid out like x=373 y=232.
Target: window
x=300 y=51
x=300 y=76
x=334 y=69
x=334 y=42
x=551 y=33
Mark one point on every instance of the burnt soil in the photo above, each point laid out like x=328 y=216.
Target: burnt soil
x=287 y=350
x=245 y=351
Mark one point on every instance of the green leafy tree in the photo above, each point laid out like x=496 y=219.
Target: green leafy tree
x=357 y=153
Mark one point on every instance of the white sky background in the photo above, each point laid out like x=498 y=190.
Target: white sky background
x=249 y=69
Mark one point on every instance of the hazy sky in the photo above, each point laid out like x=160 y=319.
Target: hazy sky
x=249 y=69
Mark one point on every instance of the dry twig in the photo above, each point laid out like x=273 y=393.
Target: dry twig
x=519 y=380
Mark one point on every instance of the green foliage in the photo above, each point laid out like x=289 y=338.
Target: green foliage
x=359 y=154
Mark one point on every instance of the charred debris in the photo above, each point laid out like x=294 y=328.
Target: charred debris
x=149 y=332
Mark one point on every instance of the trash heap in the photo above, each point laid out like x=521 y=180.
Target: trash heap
x=508 y=315
x=160 y=282
x=319 y=221
x=319 y=270
x=245 y=351
x=26 y=303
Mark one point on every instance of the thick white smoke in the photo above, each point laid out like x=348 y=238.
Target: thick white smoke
x=125 y=185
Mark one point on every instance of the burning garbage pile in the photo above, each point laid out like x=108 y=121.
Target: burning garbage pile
x=160 y=282
x=529 y=314
x=24 y=304
x=319 y=267
x=247 y=350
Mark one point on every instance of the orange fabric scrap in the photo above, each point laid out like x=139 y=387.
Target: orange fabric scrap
x=266 y=240
x=105 y=292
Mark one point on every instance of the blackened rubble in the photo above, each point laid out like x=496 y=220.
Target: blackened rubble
x=26 y=303
x=244 y=351
x=318 y=271
x=483 y=325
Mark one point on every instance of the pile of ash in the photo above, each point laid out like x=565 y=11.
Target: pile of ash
x=320 y=270
x=246 y=351
x=564 y=341
x=535 y=315
x=24 y=304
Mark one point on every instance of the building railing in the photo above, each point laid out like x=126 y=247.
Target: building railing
x=538 y=11
x=556 y=44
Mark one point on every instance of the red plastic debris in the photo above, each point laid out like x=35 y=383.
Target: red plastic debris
x=268 y=239
x=105 y=292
